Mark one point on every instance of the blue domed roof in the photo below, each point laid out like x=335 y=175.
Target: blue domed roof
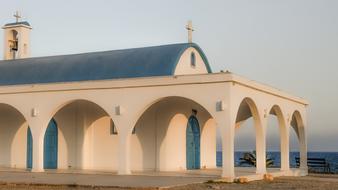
x=117 y=64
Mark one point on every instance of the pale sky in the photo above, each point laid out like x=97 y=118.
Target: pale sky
x=288 y=44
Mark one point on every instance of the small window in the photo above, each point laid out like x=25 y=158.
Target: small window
x=193 y=59
x=113 y=130
x=134 y=131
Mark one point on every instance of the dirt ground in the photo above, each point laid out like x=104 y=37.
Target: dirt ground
x=313 y=181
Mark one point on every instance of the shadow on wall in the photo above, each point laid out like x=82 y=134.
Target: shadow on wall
x=76 y=146
x=160 y=138
x=13 y=137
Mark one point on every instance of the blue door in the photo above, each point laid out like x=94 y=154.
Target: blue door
x=29 y=148
x=50 y=146
x=193 y=144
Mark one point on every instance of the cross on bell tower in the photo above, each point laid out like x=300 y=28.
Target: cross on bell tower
x=190 y=30
x=17 y=16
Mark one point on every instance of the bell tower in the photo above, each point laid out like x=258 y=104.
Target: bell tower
x=17 y=39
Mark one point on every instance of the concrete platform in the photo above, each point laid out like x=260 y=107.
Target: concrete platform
x=137 y=179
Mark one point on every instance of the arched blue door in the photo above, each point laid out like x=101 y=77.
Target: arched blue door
x=193 y=144
x=29 y=160
x=50 y=146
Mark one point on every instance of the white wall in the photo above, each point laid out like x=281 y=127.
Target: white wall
x=84 y=138
x=104 y=150
x=184 y=65
x=13 y=138
x=160 y=139
x=85 y=141
x=207 y=90
x=208 y=146
x=23 y=40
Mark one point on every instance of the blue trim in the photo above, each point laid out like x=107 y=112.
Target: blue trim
x=193 y=137
x=29 y=161
x=50 y=146
x=18 y=23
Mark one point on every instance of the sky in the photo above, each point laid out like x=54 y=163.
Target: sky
x=288 y=44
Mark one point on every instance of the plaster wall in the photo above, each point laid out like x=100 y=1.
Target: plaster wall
x=23 y=45
x=208 y=146
x=160 y=139
x=184 y=66
x=159 y=143
x=104 y=150
x=261 y=104
x=135 y=96
x=13 y=138
x=84 y=140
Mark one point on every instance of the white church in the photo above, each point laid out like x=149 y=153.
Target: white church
x=134 y=110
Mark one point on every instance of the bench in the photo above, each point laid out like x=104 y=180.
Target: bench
x=316 y=163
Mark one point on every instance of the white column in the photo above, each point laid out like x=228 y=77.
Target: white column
x=227 y=129
x=37 y=154
x=285 y=146
x=124 y=153
x=260 y=128
x=38 y=136
x=302 y=149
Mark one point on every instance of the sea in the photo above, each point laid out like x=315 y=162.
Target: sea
x=330 y=157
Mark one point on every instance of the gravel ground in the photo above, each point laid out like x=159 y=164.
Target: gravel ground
x=314 y=181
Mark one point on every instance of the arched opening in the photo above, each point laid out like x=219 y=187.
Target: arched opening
x=81 y=136
x=13 y=44
x=193 y=138
x=294 y=147
x=29 y=154
x=50 y=145
x=275 y=138
x=248 y=134
x=13 y=142
x=164 y=133
x=297 y=141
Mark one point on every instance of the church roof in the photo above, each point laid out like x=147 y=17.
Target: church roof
x=116 y=64
x=18 y=23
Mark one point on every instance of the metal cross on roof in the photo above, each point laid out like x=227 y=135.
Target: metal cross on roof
x=190 y=30
x=17 y=16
